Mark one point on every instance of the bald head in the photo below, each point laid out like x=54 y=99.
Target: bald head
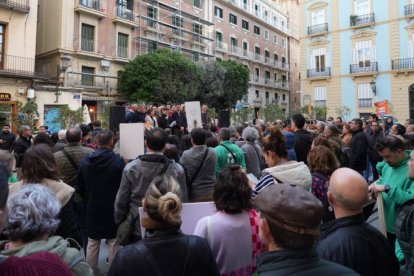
x=73 y=135
x=348 y=192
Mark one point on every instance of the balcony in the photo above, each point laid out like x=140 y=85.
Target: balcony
x=124 y=16
x=91 y=81
x=234 y=50
x=281 y=65
x=358 y=21
x=17 y=66
x=409 y=11
x=221 y=47
x=21 y=6
x=364 y=68
x=405 y=64
x=364 y=103
x=321 y=73
x=319 y=29
x=91 y=7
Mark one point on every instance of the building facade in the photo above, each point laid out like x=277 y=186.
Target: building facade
x=355 y=53
x=17 y=54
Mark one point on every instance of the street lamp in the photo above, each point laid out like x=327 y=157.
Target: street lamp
x=61 y=68
x=373 y=87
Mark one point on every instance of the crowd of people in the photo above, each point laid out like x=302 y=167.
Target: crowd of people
x=291 y=197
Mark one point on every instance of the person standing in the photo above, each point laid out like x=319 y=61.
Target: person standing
x=227 y=152
x=373 y=155
x=252 y=152
x=359 y=147
x=61 y=143
x=205 y=117
x=7 y=138
x=303 y=138
x=162 y=120
x=98 y=180
x=349 y=240
x=22 y=144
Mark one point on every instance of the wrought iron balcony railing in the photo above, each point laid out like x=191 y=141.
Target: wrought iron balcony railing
x=22 y=6
x=124 y=13
x=405 y=63
x=16 y=66
x=357 y=20
x=363 y=67
x=409 y=10
x=321 y=72
x=320 y=28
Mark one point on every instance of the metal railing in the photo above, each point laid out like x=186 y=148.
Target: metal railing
x=405 y=63
x=363 y=67
x=17 y=5
x=409 y=10
x=321 y=72
x=320 y=103
x=124 y=13
x=357 y=20
x=320 y=28
x=365 y=102
x=17 y=66
x=92 y=4
x=234 y=49
x=87 y=45
x=76 y=79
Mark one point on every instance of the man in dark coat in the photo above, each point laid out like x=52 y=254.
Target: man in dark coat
x=22 y=144
x=373 y=156
x=99 y=177
x=303 y=138
x=7 y=138
x=349 y=240
x=359 y=147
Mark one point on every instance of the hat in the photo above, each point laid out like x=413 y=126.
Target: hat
x=290 y=207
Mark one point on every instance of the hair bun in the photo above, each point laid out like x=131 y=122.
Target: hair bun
x=169 y=208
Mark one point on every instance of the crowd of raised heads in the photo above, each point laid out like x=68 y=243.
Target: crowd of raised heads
x=289 y=197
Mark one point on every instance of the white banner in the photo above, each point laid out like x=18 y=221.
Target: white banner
x=131 y=140
x=193 y=113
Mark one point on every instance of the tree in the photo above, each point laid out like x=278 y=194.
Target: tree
x=272 y=112
x=318 y=112
x=160 y=77
x=243 y=115
x=212 y=76
x=68 y=117
x=27 y=113
x=343 y=111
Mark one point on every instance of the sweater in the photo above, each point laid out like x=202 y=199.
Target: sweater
x=225 y=158
x=402 y=188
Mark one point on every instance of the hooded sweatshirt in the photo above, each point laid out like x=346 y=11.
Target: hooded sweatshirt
x=291 y=172
x=303 y=143
x=57 y=245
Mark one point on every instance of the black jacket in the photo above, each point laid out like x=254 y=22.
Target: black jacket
x=373 y=154
x=352 y=242
x=162 y=121
x=68 y=226
x=135 y=117
x=8 y=139
x=180 y=118
x=20 y=147
x=303 y=143
x=98 y=180
x=359 y=151
x=404 y=230
x=165 y=252
x=298 y=263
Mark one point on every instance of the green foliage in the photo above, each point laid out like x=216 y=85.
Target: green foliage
x=28 y=113
x=160 y=77
x=343 y=111
x=68 y=117
x=318 y=112
x=104 y=118
x=272 y=112
x=243 y=115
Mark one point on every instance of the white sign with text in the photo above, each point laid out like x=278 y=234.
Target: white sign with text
x=131 y=140
x=193 y=113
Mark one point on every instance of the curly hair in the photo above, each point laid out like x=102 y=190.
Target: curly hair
x=322 y=159
x=33 y=212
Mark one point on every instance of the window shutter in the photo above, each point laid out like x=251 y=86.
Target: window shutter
x=411 y=49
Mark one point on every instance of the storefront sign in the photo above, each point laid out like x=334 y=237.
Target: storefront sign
x=5 y=97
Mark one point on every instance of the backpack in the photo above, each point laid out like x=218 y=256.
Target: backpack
x=404 y=230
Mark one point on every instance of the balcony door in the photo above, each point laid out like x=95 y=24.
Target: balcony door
x=318 y=17
x=411 y=47
x=362 y=7
x=319 y=60
x=2 y=27
x=364 y=54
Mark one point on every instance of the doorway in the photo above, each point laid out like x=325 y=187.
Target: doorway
x=411 y=100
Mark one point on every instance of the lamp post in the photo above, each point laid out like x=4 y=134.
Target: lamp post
x=61 y=68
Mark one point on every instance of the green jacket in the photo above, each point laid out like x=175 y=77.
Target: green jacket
x=225 y=158
x=56 y=245
x=402 y=188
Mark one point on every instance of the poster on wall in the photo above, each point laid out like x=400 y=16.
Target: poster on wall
x=52 y=114
x=193 y=113
x=131 y=140
x=382 y=108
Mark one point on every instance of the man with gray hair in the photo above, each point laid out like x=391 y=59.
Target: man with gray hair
x=227 y=152
x=252 y=152
x=22 y=144
x=61 y=143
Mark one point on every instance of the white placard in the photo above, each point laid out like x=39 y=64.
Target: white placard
x=131 y=140
x=193 y=113
x=190 y=215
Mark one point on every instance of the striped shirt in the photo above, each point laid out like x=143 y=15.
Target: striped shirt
x=266 y=180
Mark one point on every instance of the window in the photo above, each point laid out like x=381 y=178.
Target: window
x=364 y=95
x=218 y=12
x=256 y=10
x=362 y=7
x=245 y=48
x=267 y=57
x=266 y=35
x=233 y=43
x=256 y=52
x=275 y=39
x=198 y=3
x=245 y=25
x=152 y=46
x=257 y=93
x=245 y=4
x=219 y=40
x=233 y=19
x=318 y=60
x=275 y=57
x=87 y=38
x=318 y=17
x=276 y=78
x=197 y=28
x=320 y=96
x=256 y=30
x=257 y=74
x=2 y=27
x=276 y=96
x=364 y=53
x=266 y=15
x=267 y=97
x=411 y=47
x=122 y=45
x=177 y=21
x=284 y=97
x=87 y=76
x=152 y=13
x=275 y=20
x=283 y=43
x=267 y=76
x=196 y=56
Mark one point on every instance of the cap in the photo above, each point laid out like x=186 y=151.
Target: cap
x=290 y=207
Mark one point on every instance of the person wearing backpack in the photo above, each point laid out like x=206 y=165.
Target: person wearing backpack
x=227 y=152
